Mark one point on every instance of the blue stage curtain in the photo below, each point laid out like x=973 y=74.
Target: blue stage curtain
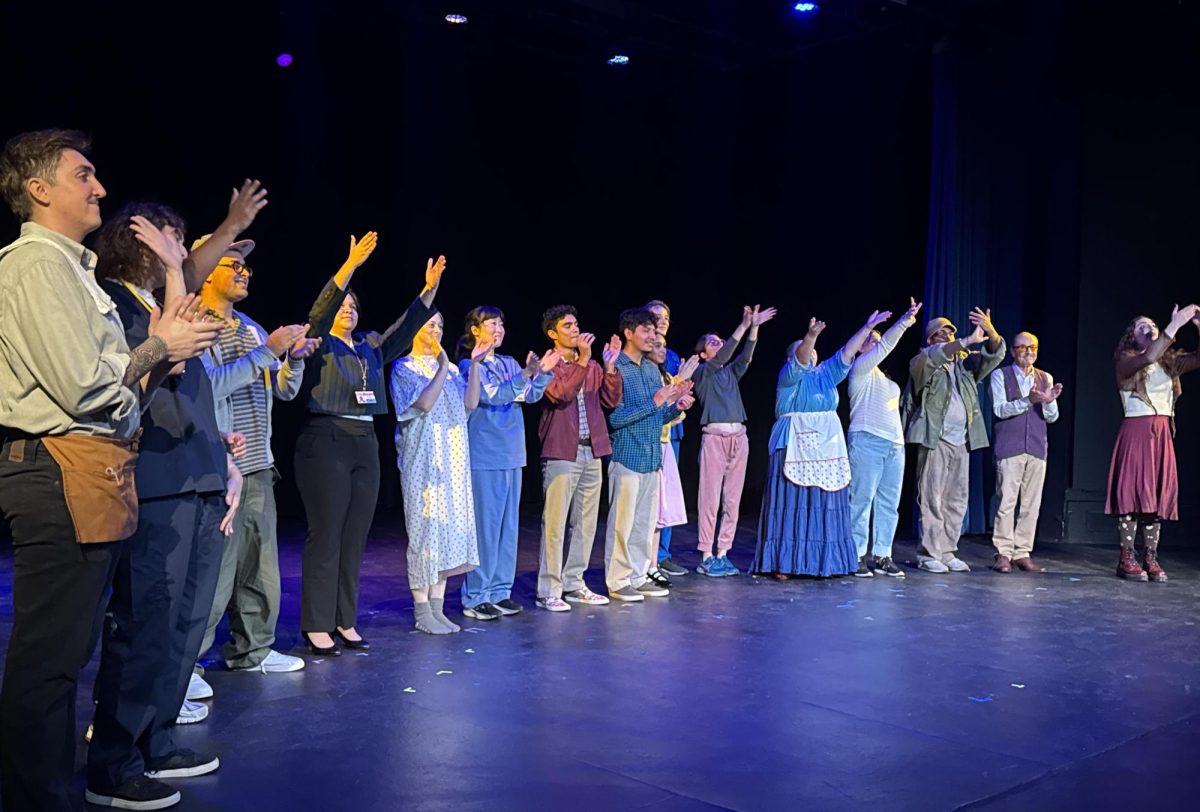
x=977 y=208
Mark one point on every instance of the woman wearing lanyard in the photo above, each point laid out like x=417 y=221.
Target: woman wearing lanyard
x=337 y=455
x=804 y=527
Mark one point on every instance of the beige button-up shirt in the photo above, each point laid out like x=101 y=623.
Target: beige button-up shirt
x=63 y=353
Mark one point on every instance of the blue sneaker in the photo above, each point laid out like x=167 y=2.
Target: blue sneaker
x=727 y=567
x=711 y=567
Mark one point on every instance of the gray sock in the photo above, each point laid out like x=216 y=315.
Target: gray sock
x=436 y=604
x=425 y=621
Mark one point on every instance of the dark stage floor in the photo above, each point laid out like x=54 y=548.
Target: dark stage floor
x=1070 y=690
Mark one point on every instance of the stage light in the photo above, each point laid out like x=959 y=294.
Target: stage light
x=456 y=19
x=619 y=59
x=806 y=8
x=284 y=60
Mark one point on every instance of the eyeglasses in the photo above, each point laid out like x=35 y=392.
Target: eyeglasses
x=1025 y=348
x=237 y=267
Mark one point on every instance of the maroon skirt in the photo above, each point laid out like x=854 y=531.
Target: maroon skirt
x=1142 y=477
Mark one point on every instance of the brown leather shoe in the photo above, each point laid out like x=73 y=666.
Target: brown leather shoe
x=1002 y=564
x=1128 y=567
x=1028 y=565
x=1150 y=563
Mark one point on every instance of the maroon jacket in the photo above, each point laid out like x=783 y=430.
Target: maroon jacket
x=558 y=427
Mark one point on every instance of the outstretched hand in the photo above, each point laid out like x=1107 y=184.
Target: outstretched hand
x=434 y=271
x=815 y=327
x=244 y=205
x=360 y=250
x=761 y=317
x=983 y=319
x=689 y=367
x=914 y=307
x=878 y=317
x=168 y=249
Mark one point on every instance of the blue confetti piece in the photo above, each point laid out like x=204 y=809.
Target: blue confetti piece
x=846 y=605
x=1076 y=579
x=987 y=698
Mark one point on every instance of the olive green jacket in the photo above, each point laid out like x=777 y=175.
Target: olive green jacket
x=926 y=398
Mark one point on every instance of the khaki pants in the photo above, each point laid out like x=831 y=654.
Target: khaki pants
x=1018 y=478
x=942 y=479
x=629 y=539
x=572 y=497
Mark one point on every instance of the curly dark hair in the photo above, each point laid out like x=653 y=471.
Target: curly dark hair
x=475 y=317
x=34 y=155
x=1127 y=345
x=554 y=315
x=122 y=256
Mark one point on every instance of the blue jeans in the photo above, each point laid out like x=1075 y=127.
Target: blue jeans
x=877 y=472
x=497 y=496
x=664 y=535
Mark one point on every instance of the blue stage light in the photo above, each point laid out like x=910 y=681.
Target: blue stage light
x=806 y=8
x=619 y=59
x=456 y=19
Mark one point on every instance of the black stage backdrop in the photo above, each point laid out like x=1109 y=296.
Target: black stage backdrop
x=727 y=164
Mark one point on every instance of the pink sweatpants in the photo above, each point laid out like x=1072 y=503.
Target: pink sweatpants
x=722 y=463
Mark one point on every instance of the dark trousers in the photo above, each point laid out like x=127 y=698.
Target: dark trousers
x=337 y=472
x=58 y=592
x=162 y=594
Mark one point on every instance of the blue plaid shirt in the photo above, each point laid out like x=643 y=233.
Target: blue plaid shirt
x=637 y=423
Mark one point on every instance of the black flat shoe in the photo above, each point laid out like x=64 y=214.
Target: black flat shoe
x=360 y=644
x=329 y=651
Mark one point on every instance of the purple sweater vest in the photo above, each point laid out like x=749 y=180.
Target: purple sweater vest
x=1025 y=433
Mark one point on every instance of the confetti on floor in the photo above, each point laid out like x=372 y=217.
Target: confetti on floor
x=1018 y=685
x=987 y=698
x=470 y=651
x=410 y=690
x=441 y=673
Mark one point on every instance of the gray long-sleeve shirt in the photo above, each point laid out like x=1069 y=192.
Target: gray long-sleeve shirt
x=63 y=352
x=715 y=384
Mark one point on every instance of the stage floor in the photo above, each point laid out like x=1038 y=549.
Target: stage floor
x=1069 y=690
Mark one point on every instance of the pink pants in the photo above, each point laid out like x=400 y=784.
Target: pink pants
x=722 y=475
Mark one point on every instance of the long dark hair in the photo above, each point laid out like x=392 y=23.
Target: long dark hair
x=122 y=256
x=476 y=317
x=1127 y=345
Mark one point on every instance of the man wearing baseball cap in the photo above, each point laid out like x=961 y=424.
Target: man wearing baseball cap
x=249 y=369
x=943 y=418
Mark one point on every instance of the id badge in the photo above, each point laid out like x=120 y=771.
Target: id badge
x=364 y=396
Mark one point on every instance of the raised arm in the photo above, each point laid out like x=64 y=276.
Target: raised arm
x=887 y=342
x=1130 y=363
x=244 y=206
x=991 y=355
x=856 y=341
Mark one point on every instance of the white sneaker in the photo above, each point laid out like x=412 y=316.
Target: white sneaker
x=198 y=689
x=957 y=565
x=554 y=604
x=276 y=663
x=191 y=713
x=933 y=565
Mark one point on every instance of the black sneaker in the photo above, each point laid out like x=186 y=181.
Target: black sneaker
x=885 y=566
x=182 y=764
x=671 y=568
x=484 y=611
x=139 y=792
x=863 y=571
x=508 y=607
x=659 y=577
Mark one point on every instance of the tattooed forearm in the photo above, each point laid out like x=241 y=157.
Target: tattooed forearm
x=143 y=358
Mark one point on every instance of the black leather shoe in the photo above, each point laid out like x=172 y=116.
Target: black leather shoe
x=330 y=651
x=359 y=645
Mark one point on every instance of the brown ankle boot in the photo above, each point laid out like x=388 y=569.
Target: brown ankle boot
x=1128 y=568
x=1153 y=570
